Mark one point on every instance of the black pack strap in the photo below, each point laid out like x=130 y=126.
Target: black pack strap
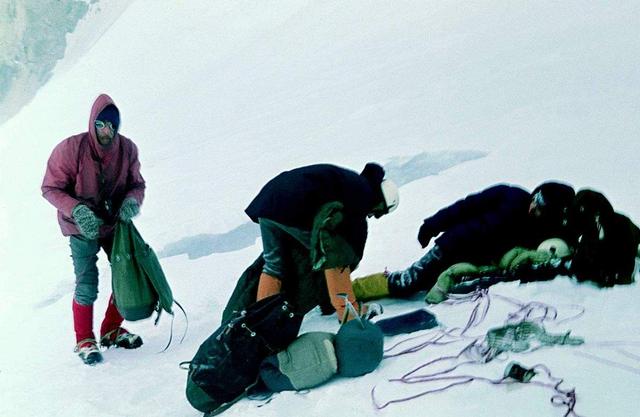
x=159 y=311
x=186 y=319
x=264 y=398
x=225 y=406
x=172 y=321
x=170 y=335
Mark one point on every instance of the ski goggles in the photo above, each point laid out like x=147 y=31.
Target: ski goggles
x=538 y=200
x=99 y=124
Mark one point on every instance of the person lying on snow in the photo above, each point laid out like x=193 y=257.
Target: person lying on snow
x=313 y=222
x=478 y=229
x=93 y=179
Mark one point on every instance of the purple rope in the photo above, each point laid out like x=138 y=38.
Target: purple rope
x=413 y=397
x=574 y=317
x=532 y=311
x=437 y=360
x=461 y=380
x=481 y=297
x=615 y=343
x=436 y=376
x=455 y=299
x=527 y=309
x=409 y=339
x=474 y=321
x=562 y=397
x=608 y=362
x=435 y=340
x=628 y=354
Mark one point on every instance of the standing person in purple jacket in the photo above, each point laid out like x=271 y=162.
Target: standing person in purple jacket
x=93 y=179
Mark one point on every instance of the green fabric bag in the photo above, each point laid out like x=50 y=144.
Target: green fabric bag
x=328 y=248
x=139 y=284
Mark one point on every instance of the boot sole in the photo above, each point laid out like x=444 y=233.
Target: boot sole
x=124 y=345
x=92 y=358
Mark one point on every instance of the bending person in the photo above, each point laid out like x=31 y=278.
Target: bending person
x=313 y=220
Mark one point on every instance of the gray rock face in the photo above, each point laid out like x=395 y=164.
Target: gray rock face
x=32 y=39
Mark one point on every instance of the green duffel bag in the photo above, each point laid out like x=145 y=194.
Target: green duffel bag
x=139 y=284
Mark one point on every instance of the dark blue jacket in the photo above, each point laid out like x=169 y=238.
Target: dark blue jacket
x=482 y=227
x=294 y=197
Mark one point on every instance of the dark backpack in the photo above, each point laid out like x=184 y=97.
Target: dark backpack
x=607 y=246
x=609 y=260
x=227 y=364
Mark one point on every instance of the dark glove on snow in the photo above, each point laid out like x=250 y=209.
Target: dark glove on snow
x=425 y=234
x=129 y=209
x=86 y=220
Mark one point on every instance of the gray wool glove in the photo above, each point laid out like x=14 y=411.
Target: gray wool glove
x=86 y=220
x=129 y=209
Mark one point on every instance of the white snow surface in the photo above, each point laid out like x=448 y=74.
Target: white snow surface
x=222 y=95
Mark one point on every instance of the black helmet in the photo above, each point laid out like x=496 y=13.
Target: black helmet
x=553 y=198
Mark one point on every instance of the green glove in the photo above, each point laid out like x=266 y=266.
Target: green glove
x=530 y=257
x=86 y=220
x=129 y=209
x=447 y=279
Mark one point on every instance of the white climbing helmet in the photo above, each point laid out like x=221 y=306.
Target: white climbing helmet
x=556 y=247
x=391 y=194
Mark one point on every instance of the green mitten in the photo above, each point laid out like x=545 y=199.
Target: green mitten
x=508 y=257
x=530 y=257
x=447 y=279
x=86 y=220
x=129 y=209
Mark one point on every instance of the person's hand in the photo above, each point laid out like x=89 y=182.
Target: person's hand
x=425 y=234
x=129 y=209
x=87 y=221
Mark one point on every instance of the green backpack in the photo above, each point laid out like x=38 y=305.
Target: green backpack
x=139 y=285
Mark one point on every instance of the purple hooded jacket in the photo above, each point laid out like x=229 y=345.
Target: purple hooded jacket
x=81 y=171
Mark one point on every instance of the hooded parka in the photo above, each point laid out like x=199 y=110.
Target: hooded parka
x=82 y=171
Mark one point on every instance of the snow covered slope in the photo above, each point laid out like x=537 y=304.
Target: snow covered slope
x=222 y=95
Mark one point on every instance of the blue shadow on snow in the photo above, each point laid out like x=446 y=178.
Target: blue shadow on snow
x=402 y=170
